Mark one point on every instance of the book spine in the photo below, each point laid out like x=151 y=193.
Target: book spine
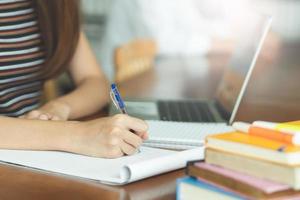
x=189 y=164
x=253 y=167
x=225 y=181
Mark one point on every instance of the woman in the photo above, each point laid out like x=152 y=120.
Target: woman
x=39 y=39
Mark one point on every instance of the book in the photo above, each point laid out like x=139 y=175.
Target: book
x=255 y=147
x=148 y=162
x=181 y=135
x=239 y=182
x=255 y=167
x=189 y=188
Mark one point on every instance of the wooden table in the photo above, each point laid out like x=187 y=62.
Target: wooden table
x=273 y=94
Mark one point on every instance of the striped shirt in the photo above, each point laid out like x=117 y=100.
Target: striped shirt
x=21 y=58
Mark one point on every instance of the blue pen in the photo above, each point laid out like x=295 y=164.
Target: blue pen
x=117 y=99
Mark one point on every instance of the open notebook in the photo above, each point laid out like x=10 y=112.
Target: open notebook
x=148 y=162
x=181 y=135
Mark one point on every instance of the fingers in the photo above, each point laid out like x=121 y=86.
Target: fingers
x=44 y=117
x=115 y=152
x=33 y=114
x=118 y=147
x=131 y=123
x=126 y=141
x=127 y=149
x=131 y=138
x=38 y=114
x=144 y=136
x=55 y=118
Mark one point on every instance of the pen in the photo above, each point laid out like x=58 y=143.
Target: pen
x=117 y=99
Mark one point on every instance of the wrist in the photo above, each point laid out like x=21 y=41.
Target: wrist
x=72 y=135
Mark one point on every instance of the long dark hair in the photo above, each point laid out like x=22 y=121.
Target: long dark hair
x=59 y=22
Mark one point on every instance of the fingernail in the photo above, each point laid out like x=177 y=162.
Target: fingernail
x=146 y=136
x=43 y=117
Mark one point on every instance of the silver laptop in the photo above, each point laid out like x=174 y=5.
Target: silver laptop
x=223 y=108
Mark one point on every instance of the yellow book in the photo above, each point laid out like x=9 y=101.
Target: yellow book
x=296 y=123
x=292 y=126
x=255 y=147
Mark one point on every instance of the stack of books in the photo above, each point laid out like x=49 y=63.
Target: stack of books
x=258 y=161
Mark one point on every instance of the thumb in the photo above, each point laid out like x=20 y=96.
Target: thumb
x=44 y=116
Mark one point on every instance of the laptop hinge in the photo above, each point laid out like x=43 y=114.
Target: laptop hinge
x=224 y=113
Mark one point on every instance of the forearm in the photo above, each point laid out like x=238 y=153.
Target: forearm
x=106 y=137
x=90 y=96
x=18 y=133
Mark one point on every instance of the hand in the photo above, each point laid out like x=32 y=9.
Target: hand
x=109 y=137
x=54 y=110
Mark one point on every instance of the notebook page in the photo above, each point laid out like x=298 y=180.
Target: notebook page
x=104 y=170
x=170 y=146
x=183 y=133
x=161 y=164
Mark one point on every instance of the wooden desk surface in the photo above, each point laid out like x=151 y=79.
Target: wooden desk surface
x=170 y=79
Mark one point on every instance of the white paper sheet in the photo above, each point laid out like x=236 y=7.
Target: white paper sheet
x=182 y=135
x=148 y=162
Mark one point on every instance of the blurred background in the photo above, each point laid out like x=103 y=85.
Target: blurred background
x=178 y=27
x=131 y=37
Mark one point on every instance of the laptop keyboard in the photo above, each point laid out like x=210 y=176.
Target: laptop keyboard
x=185 y=111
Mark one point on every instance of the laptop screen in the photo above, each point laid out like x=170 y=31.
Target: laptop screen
x=237 y=74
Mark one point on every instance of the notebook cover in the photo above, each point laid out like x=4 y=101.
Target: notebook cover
x=254 y=141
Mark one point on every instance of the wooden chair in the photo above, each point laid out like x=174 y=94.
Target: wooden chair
x=134 y=58
x=131 y=59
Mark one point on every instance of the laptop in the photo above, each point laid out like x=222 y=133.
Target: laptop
x=184 y=124
x=224 y=106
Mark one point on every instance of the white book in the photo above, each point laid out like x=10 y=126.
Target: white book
x=181 y=135
x=148 y=162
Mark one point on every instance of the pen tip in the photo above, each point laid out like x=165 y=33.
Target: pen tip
x=113 y=85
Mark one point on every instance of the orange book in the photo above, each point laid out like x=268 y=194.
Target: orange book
x=267 y=132
x=255 y=147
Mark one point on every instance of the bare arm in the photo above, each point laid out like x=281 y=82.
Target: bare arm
x=105 y=137
x=34 y=134
x=90 y=95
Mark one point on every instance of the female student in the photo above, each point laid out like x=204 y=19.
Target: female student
x=39 y=39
